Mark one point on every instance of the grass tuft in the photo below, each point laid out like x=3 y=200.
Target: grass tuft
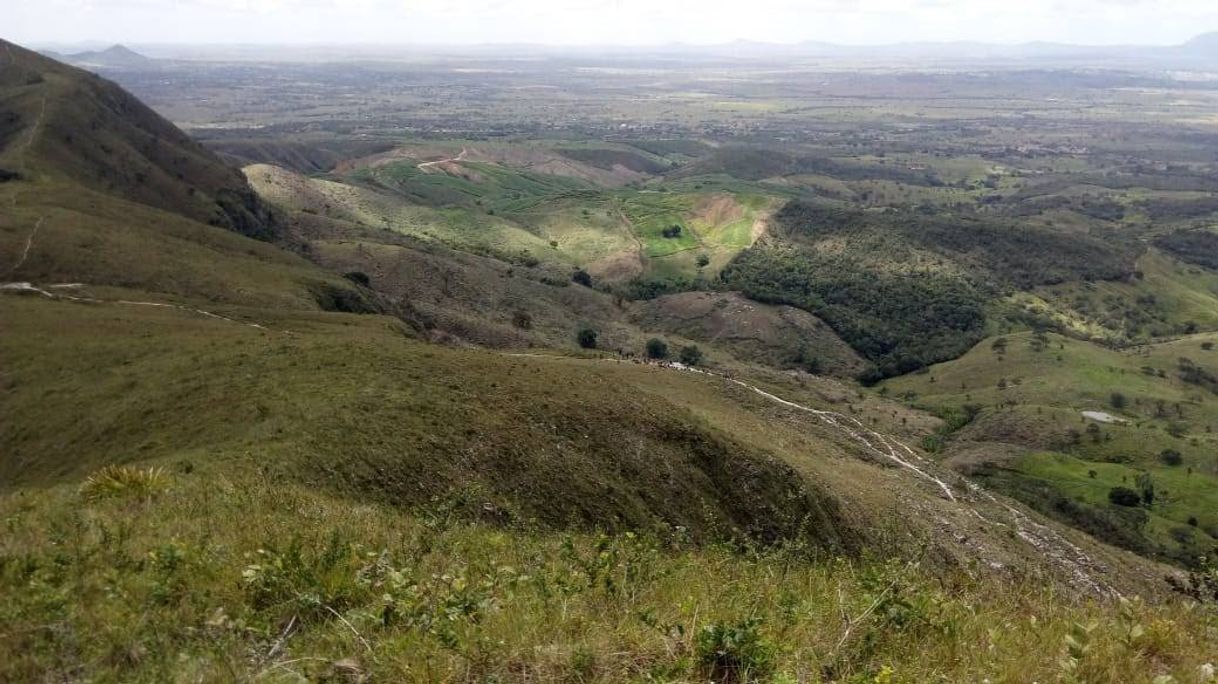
x=120 y=481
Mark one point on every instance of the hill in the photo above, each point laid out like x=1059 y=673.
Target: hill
x=1059 y=422
x=103 y=191
x=224 y=460
x=907 y=289
x=108 y=141
x=115 y=56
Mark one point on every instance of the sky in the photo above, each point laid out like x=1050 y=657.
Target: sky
x=601 y=22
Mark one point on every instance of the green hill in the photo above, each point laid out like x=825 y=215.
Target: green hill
x=1152 y=412
x=228 y=458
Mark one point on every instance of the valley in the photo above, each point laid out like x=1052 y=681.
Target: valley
x=657 y=366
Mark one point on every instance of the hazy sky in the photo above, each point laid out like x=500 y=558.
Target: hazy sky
x=603 y=21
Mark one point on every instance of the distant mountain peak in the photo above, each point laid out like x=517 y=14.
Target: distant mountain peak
x=119 y=49
x=113 y=56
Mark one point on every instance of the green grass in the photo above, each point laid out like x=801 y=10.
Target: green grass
x=1167 y=297
x=230 y=575
x=1034 y=401
x=398 y=420
x=1182 y=494
x=652 y=213
x=510 y=213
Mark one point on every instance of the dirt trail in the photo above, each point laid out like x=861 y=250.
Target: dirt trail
x=459 y=158
x=1080 y=569
x=29 y=288
x=21 y=155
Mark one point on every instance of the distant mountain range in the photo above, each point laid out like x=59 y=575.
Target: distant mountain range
x=116 y=56
x=1200 y=53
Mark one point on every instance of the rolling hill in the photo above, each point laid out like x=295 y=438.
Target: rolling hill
x=233 y=449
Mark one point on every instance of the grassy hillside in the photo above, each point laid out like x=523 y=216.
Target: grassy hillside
x=225 y=460
x=221 y=578
x=1029 y=391
x=1166 y=297
x=779 y=336
x=522 y=215
x=67 y=124
x=529 y=438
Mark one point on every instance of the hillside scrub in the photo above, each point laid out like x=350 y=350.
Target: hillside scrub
x=900 y=317
x=901 y=323
x=1198 y=247
x=229 y=576
x=1019 y=256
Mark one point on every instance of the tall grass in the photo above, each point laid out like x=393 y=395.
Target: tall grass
x=222 y=580
x=121 y=481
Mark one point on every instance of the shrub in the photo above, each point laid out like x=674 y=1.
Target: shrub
x=1118 y=401
x=1146 y=485
x=691 y=355
x=672 y=231
x=358 y=277
x=586 y=338
x=735 y=652
x=704 y=261
x=657 y=348
x=1124 y=496
x=582 y=277
x=522 y=320
x=116 y=481
x=1171 y=457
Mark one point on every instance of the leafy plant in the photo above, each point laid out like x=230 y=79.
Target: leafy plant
x=115 y=481
x=691 y=355
x=734 y=652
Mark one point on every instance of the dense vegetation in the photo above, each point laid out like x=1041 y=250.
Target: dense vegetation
x=899 y=322
x=898 y=316
x=1015 y=256
x=1193 y=246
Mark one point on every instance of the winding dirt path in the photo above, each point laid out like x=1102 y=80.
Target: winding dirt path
x=21 y=157
x=459 y=158
x=1080 y=569
x=29 y=288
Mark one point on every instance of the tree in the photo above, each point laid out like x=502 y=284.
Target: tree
x=1118 y=401
x=691 y=355
x=1147 y=486
x=703 y=261
x=586 y=338
x=672 y=231
x=1124 y=496
x=657 y=348
x=582 y=277
x=1171 y=457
